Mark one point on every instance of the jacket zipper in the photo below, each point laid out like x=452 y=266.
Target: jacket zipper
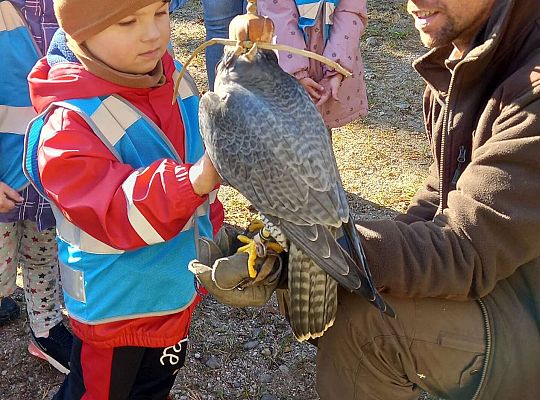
x=445 y=132
x=461 y=160
x=487 y=327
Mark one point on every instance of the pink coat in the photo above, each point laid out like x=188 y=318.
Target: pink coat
x=350 y=19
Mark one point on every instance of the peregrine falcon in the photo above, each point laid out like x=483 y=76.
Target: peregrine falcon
x=267 y=140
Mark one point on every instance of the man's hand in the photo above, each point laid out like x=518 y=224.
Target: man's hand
x=313 y=88
x=8 y=198
x=331 y=87
x=203 y=176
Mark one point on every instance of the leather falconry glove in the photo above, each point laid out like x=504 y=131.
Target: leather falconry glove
x=228 y=277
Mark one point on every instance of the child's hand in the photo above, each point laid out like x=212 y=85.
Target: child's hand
x=203 y=176
x=8 y=198
x=313 y=88
x=331 y=87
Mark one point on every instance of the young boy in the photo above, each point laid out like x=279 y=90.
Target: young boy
x=131 y=187
x=26 y=219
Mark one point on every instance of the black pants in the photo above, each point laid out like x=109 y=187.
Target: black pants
x=121 y=373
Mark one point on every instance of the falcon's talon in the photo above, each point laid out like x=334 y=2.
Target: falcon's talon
x=265 y=234
x=251 y=249
x=276 y=247
x=255 y=225
x=257 y=247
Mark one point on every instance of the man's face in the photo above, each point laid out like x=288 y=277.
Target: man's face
x=136 y=43
x=441 y=22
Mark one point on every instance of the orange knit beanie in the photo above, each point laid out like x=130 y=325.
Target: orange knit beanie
x=82 y=19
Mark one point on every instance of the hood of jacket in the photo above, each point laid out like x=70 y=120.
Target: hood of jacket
x=60 y=76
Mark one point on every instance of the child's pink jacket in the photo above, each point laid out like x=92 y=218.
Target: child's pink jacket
x=349 y=22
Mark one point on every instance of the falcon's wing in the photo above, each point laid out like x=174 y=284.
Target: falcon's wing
x=276 y=153
x=319 y=244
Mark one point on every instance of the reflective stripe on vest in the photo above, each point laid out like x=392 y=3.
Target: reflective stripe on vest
x=79 y=238
x=187 y=87
x=73 y=282
x=15 y=119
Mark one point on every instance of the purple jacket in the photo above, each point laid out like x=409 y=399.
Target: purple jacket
x=39 y=15
x=349 y=22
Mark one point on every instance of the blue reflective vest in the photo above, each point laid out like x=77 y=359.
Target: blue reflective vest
x=103 y=284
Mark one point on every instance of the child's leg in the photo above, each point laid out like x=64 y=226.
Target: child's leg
x=49 y=338
x=217 y=16
x=9 y=244
x=38 y=254
x=121 y=373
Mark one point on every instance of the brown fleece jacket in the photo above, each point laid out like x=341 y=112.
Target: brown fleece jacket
x=473 y=230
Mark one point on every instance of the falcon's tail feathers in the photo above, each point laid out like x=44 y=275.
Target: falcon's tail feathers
x=312 y=297
x=338 y=264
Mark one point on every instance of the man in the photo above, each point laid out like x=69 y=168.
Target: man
x=462 y=267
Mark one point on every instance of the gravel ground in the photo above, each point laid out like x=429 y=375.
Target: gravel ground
x=250 y=353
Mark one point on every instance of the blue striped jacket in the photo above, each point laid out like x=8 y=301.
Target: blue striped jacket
x=309 y=10
x=18 y=53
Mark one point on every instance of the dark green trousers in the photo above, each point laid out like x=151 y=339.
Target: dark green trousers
x=435 y=345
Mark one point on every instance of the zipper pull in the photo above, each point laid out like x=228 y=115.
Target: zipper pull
x=461 y=160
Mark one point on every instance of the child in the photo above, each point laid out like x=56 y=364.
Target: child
x=332 y=28
x=26 y=220
x=131 y=187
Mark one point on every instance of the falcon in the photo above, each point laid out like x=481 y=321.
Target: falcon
x=267 y=140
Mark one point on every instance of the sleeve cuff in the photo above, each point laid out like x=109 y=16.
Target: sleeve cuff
x=301 y=74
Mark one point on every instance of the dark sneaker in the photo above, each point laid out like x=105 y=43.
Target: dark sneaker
x=56 y=349
x=9 y=310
